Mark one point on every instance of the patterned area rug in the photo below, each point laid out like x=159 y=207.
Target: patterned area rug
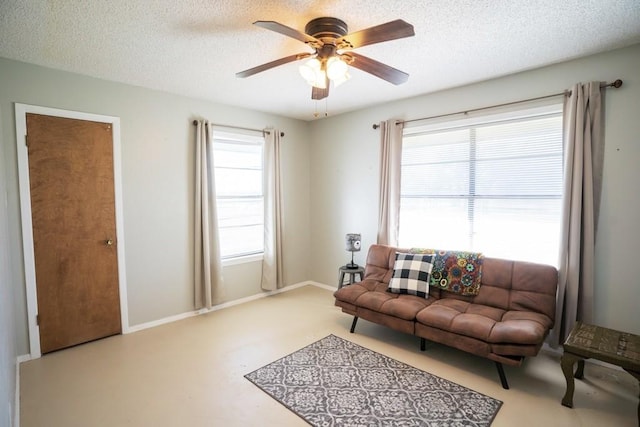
x=334 y=382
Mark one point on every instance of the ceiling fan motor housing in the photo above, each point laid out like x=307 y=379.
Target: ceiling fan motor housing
x=326 y=27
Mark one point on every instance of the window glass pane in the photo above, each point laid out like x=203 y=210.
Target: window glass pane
x=530 y=176
x=438 y=147
x=238 y=163
x=435 y=223
x=535 y=137
x=493 y=187
x=449 y=179
x=528 y=152
x=238 y=155
x=435 y=164
x=240 y=212
x=239 y=241
x=525 y=229
x=238 y=182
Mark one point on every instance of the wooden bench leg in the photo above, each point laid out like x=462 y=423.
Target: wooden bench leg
x=579 y=370
x=503 y=378
x=353 y=325
x=566 y=363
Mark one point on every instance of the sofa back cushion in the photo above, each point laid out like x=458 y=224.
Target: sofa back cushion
x=506 y=284
x=519 y=285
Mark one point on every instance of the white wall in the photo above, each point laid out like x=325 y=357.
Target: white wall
x=158 y=155
x=344 y=171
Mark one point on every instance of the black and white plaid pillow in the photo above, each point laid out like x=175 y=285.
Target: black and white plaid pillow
x=411 y=274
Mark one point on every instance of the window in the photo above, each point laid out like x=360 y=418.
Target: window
x=238 y=161
x=491 y=184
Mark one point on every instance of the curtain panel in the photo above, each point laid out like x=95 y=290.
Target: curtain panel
x=389 y=196
x=208 y=283
x=583 y=164
x=272 y=264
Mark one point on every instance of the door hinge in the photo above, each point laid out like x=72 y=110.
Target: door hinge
x=26 y=140
x=38 y=319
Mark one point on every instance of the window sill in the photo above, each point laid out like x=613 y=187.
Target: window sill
x=242 y=259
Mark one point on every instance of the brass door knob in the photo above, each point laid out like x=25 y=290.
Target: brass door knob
x=109 y=242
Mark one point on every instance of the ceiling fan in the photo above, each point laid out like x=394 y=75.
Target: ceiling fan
x=332 y=51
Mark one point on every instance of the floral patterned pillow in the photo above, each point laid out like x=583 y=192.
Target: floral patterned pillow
x=455 y=271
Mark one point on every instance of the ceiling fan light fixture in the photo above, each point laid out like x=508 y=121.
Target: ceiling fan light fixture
x=313 y=73
x=337 y=69
x=338 y=81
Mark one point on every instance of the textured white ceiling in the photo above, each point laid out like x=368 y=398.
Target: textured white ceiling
x=195 y=47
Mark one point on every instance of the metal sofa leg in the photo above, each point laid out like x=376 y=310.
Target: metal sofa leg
x=353 y=325
x=423 y=344
x=503 y=378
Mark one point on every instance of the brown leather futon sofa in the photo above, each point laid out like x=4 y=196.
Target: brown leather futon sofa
x=506 y=321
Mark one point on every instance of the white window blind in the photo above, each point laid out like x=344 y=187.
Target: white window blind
x=238 y=161
x=490 y=184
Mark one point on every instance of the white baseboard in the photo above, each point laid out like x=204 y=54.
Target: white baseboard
x=16 y=407
x=323 y=286
x=188 y=314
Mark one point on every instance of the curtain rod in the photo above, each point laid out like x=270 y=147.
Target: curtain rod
x=195 y=122
x=616 y=84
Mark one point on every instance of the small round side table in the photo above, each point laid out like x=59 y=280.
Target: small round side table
x=352 y=274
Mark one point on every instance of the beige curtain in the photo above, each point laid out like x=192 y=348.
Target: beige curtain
x=272 y=265
x=207 y=267
x=390 y=157
x=583 y=163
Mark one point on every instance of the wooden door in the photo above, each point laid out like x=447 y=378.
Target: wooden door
x=74 y=232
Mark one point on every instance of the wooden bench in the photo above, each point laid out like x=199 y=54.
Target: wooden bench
x=594 y=342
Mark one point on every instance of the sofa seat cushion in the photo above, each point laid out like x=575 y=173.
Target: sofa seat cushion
x=405 y=306
x=373 y=295
x=370 y=294
x=489 y=324
x=351 y=293
x=461 y=317
x=521 y=327
x=375 y=300
x=402 y=306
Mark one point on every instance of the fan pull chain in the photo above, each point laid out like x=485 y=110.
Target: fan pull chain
x=316 y=114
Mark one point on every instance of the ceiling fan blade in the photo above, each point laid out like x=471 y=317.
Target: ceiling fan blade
x=268 y=65
x=380 y=33
x=378 y=69
x=287 y=31
x=317 y=93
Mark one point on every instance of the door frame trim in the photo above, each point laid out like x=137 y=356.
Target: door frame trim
x=21 y=111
